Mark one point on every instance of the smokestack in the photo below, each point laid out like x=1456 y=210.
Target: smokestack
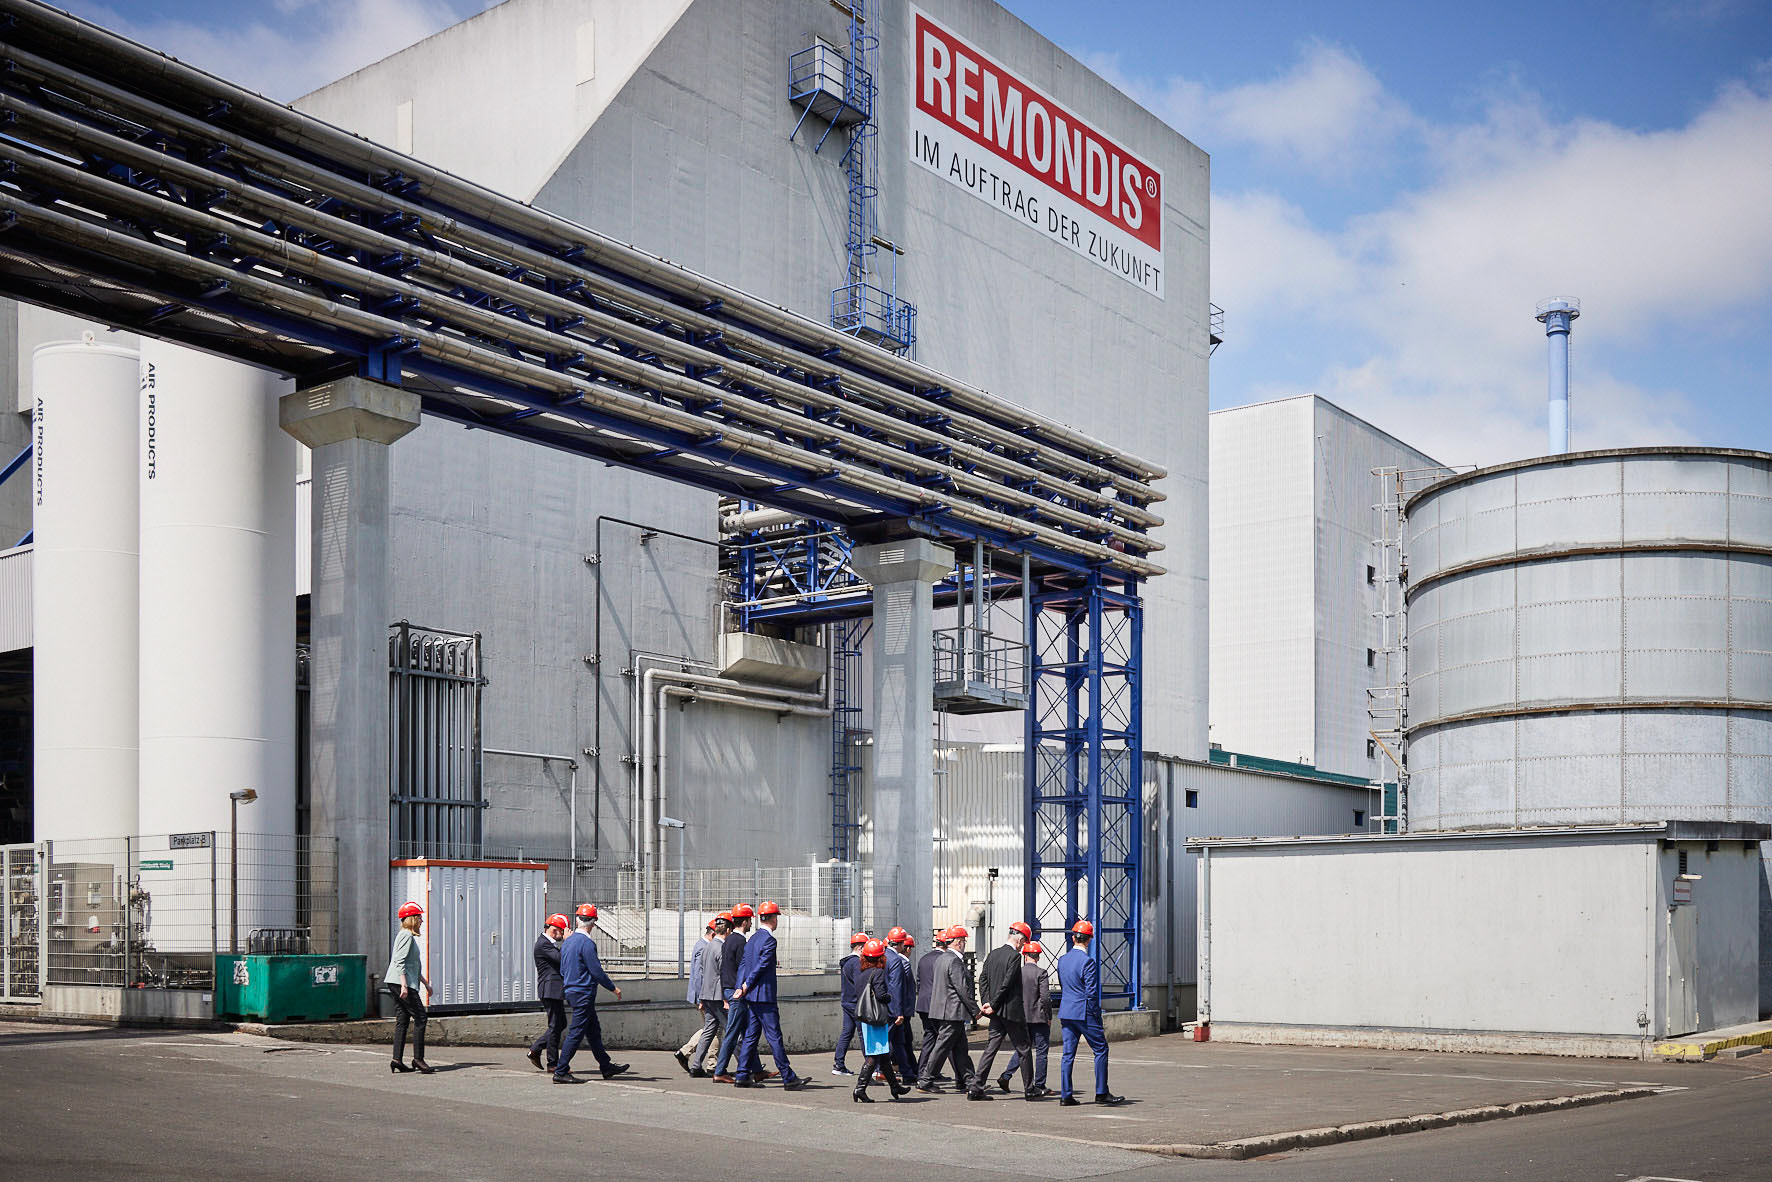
x=1556 y=316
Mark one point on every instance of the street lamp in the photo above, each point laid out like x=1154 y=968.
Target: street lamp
x=235 y=800
x=682 y=840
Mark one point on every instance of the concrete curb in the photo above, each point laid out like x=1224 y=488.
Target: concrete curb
x=1248 y=1147
x=1697 y=1049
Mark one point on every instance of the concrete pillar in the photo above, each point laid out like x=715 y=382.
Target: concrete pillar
x=349 y=424
x=903 y=575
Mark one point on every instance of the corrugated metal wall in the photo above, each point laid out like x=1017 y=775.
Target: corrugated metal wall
x=15 y=598
x=979 y=819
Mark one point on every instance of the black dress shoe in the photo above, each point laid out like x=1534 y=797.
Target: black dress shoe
x=797 y=1084
x=683 y=1060
x=535 y=1058
x=697 y=1073
x=1037 y=1093
x=1069 y=1102
x=397 y=1067
x=932 y=1089
x=569 y=1078
x=423 y=1068
x=978 y=1094
x=746 y=1083
x=1109 y=1098
x=613 y=1070
x=1003 y=1084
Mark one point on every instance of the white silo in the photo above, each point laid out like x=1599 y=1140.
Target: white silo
x=217 y=479
x=84 y=576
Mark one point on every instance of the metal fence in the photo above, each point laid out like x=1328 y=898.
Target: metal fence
x=152 y=912
x=21 y=927
x=649 y=929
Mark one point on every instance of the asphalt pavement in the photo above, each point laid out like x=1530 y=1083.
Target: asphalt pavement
x=95 y=1103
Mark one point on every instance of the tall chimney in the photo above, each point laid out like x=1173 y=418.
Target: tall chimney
x=1556 y=315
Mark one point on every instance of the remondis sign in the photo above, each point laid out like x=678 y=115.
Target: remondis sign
x=985 y=130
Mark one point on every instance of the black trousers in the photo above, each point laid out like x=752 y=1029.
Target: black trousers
x=1016 y=1033
x=950 y=1047
x=901 y=1052
x=408 y=1009
x=927 y=1047
x=556 y=1009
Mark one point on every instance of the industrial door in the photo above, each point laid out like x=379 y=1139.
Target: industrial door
x=1682 y=969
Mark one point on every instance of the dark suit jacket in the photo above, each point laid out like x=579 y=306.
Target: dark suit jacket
x=847 y=969
x=926 y=978
x=1036 y=993
x=731 y=953
x=548 y=981
x=1000 y=984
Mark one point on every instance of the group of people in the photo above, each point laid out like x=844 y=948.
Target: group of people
x=732 y=979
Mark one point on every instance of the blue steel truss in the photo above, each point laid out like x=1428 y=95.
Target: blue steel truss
x=1084 y=771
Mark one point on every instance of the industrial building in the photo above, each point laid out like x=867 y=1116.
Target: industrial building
x=1303 y=635
x=680 y=452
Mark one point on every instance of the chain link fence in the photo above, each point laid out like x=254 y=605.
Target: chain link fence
x=640 y=916
x=153 y=912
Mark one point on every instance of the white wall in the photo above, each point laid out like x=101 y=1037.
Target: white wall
x=1547 y=933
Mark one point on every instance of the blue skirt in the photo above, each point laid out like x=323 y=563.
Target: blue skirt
x=876 y=1040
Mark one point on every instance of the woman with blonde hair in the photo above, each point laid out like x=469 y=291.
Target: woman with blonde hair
x=404 y=978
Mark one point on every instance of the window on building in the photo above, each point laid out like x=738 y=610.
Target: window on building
x=1371 y=749
x=1193 y=799
x=1359 y=818
x=1371 y=658
x=1371 y=575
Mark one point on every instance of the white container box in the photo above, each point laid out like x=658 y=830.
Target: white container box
x=481 y=920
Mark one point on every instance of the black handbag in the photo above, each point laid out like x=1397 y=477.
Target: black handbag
x=870 y=1010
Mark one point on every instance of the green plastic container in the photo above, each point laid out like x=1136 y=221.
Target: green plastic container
x=291 y=988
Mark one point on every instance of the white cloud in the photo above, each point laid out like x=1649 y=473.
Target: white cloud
x=1327 y=114
x=1426 y=305
x=312 y=45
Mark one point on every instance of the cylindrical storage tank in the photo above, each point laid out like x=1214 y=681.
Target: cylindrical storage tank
x=1590 y=641
x=217 y=478
x=84 y=720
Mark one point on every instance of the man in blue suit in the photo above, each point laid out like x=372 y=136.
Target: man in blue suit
x=1079 y=1015
x=901 y=983
x=583 y=970
x=756 y=988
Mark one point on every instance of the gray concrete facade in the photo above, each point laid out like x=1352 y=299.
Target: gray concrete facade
x=350 y=424
x=903 y=575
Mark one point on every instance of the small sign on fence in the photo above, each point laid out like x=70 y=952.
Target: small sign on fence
x=156 y=864
x=189 y=841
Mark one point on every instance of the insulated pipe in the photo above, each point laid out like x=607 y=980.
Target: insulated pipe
x=479 y=202
x=755 y=519
x=1556 y=315
x=493 y=363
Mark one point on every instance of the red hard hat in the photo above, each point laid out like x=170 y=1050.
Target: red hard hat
x=587 y=911
x=1026 y=932
x=724 y=917
x=858 y=938
x=408 y=910
x=710 y=926
x=1083 y=928
x=742 y=911
x=897 y=936
x=556 y=920
x=873 y=950
x=910 y=941
x=957 y=933
x=1032 y=948
x=768 y=908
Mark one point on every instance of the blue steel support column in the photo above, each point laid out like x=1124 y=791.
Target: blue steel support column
x=1084 y=761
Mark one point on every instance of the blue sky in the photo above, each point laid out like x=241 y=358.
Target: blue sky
x=1394 y=187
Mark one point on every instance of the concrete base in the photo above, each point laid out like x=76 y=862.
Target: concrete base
x=114 y=1005
x=1731 y=1042
x=1494 y=1042
x=809 y=1026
